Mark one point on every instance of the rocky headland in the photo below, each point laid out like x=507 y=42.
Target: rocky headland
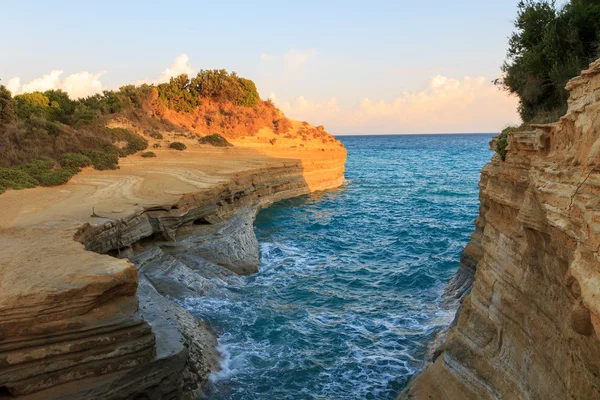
x=88 y=293
x=530 y=327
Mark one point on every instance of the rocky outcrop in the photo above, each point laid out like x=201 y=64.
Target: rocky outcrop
x=530 y=327
x=88 y=298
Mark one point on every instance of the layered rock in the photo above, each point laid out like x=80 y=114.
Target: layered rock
x=77 y=320
x=530 y=327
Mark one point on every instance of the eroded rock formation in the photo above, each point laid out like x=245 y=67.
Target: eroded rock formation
x=78 y=323
x=530 y=328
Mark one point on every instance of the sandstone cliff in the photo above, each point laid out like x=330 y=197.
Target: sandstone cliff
x=78 y=320
x=530 y=328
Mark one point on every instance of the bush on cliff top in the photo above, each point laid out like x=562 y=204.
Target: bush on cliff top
x=550 y=46
x=72 y=134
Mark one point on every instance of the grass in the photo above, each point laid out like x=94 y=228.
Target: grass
x=215 y=140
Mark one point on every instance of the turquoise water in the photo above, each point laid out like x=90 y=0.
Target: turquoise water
x=348 y=295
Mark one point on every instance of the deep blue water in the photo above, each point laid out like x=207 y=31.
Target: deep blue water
x=348 y=295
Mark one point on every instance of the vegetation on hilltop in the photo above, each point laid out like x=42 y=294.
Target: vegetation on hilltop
x=550 y=46
x=47 y=137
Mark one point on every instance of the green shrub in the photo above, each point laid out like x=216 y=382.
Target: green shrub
x=83 y=113
x=104 y=159
x=502 y=143
x=176 y=94
x=221 y=86
x=57 y=176
x=47 y=173
x=215 y=140
x=178 y=146
x=249 y=97
x=135 y=142
x=148 y=154
x=61 y=106
x=32 y=103
x=74 y=160
x=16 y=179
x=155 y=134
x=7 y=105
x=36 y=166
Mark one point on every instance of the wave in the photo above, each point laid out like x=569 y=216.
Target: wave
x=350 y=288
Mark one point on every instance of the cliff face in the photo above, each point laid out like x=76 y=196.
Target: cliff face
x=530 y=328
x=76 y=322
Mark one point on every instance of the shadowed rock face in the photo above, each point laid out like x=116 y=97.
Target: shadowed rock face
x=529 y=329
x=81 y=324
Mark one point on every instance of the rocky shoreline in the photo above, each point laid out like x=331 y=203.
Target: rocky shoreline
x=530 y=326
x=90 y=323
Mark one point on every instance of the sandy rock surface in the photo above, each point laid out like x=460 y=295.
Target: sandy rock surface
x=77 y=321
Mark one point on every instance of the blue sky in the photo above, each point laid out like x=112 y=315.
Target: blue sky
x=317 y=60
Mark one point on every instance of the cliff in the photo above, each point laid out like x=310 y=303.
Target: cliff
x=530 y=327
x=79 y=320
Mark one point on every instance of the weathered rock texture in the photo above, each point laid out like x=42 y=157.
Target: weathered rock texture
x=77 y=323
x=530 y=328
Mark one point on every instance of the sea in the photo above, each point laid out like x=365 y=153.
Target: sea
x=349 y=292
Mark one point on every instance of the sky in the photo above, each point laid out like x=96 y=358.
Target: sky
x=356 y=67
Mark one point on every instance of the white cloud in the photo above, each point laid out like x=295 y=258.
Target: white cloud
x=83 y=84
x=445 y=105
x=14 y=85
x=267 y=57
x=78 y=85
x=181 y=65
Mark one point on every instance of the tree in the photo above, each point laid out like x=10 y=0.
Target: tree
x=177 y=94
x=32 y=103
x=61 y=106
x=250 y=95
x=7 y=105
x=550 y=46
